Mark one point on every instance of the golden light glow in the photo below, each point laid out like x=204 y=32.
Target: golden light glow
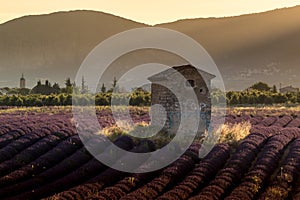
x=149 y=12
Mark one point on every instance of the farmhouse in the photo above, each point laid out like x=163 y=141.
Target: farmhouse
x=288 y=89
x=196 y=79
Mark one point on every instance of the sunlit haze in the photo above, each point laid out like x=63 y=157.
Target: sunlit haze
x=149 y=12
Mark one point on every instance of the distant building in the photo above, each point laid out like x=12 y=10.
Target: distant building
x=287 y=89
x=22 y=82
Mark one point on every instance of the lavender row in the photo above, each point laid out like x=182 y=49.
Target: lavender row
x=201 y=174
x=98 y=180
x=280 y=186
x=237 y=165
x=166 y=179
x=264 y=166
x=33 y=152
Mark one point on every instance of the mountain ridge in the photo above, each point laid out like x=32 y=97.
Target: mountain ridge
x=246 y=48
x=233 y=16
x=71 y=11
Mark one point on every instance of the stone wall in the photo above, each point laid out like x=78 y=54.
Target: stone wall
x=163 y=96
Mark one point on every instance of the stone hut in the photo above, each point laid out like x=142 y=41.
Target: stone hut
x=196 y=79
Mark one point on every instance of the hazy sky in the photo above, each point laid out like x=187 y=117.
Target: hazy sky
x=149 y=12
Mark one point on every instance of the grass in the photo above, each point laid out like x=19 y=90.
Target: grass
x=143 y=129
x=230 y=133
x=233 y=133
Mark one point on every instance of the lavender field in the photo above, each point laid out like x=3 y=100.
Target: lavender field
x=41 y=156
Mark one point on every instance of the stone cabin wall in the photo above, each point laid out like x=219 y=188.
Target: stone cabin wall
x=164 y=97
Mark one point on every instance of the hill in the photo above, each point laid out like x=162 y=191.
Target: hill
x=247 y=48
x=53 y=46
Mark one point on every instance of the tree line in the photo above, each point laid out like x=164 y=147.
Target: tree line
x=259 y=93
x=136 y=98
x=255 y=97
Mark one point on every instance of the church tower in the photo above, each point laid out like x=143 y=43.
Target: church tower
x=22 y=82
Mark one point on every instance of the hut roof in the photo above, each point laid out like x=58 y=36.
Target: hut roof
x=167 y=73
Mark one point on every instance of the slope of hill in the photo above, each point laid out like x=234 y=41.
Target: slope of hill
x=53 y=46
x=247 y=48
x=263 y=46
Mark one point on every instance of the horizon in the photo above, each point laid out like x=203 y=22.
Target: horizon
x=140 y=13
x=61 y=84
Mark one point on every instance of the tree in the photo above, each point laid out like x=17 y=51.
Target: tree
x=103 y=88
x=47 y=83
x=68 y=82
x=24 y=91
x=232 y=97
x=280 y=98
x=56 y=88
x=69 y=86
x=260 y=86
x=229 y=94
x=114 y=85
